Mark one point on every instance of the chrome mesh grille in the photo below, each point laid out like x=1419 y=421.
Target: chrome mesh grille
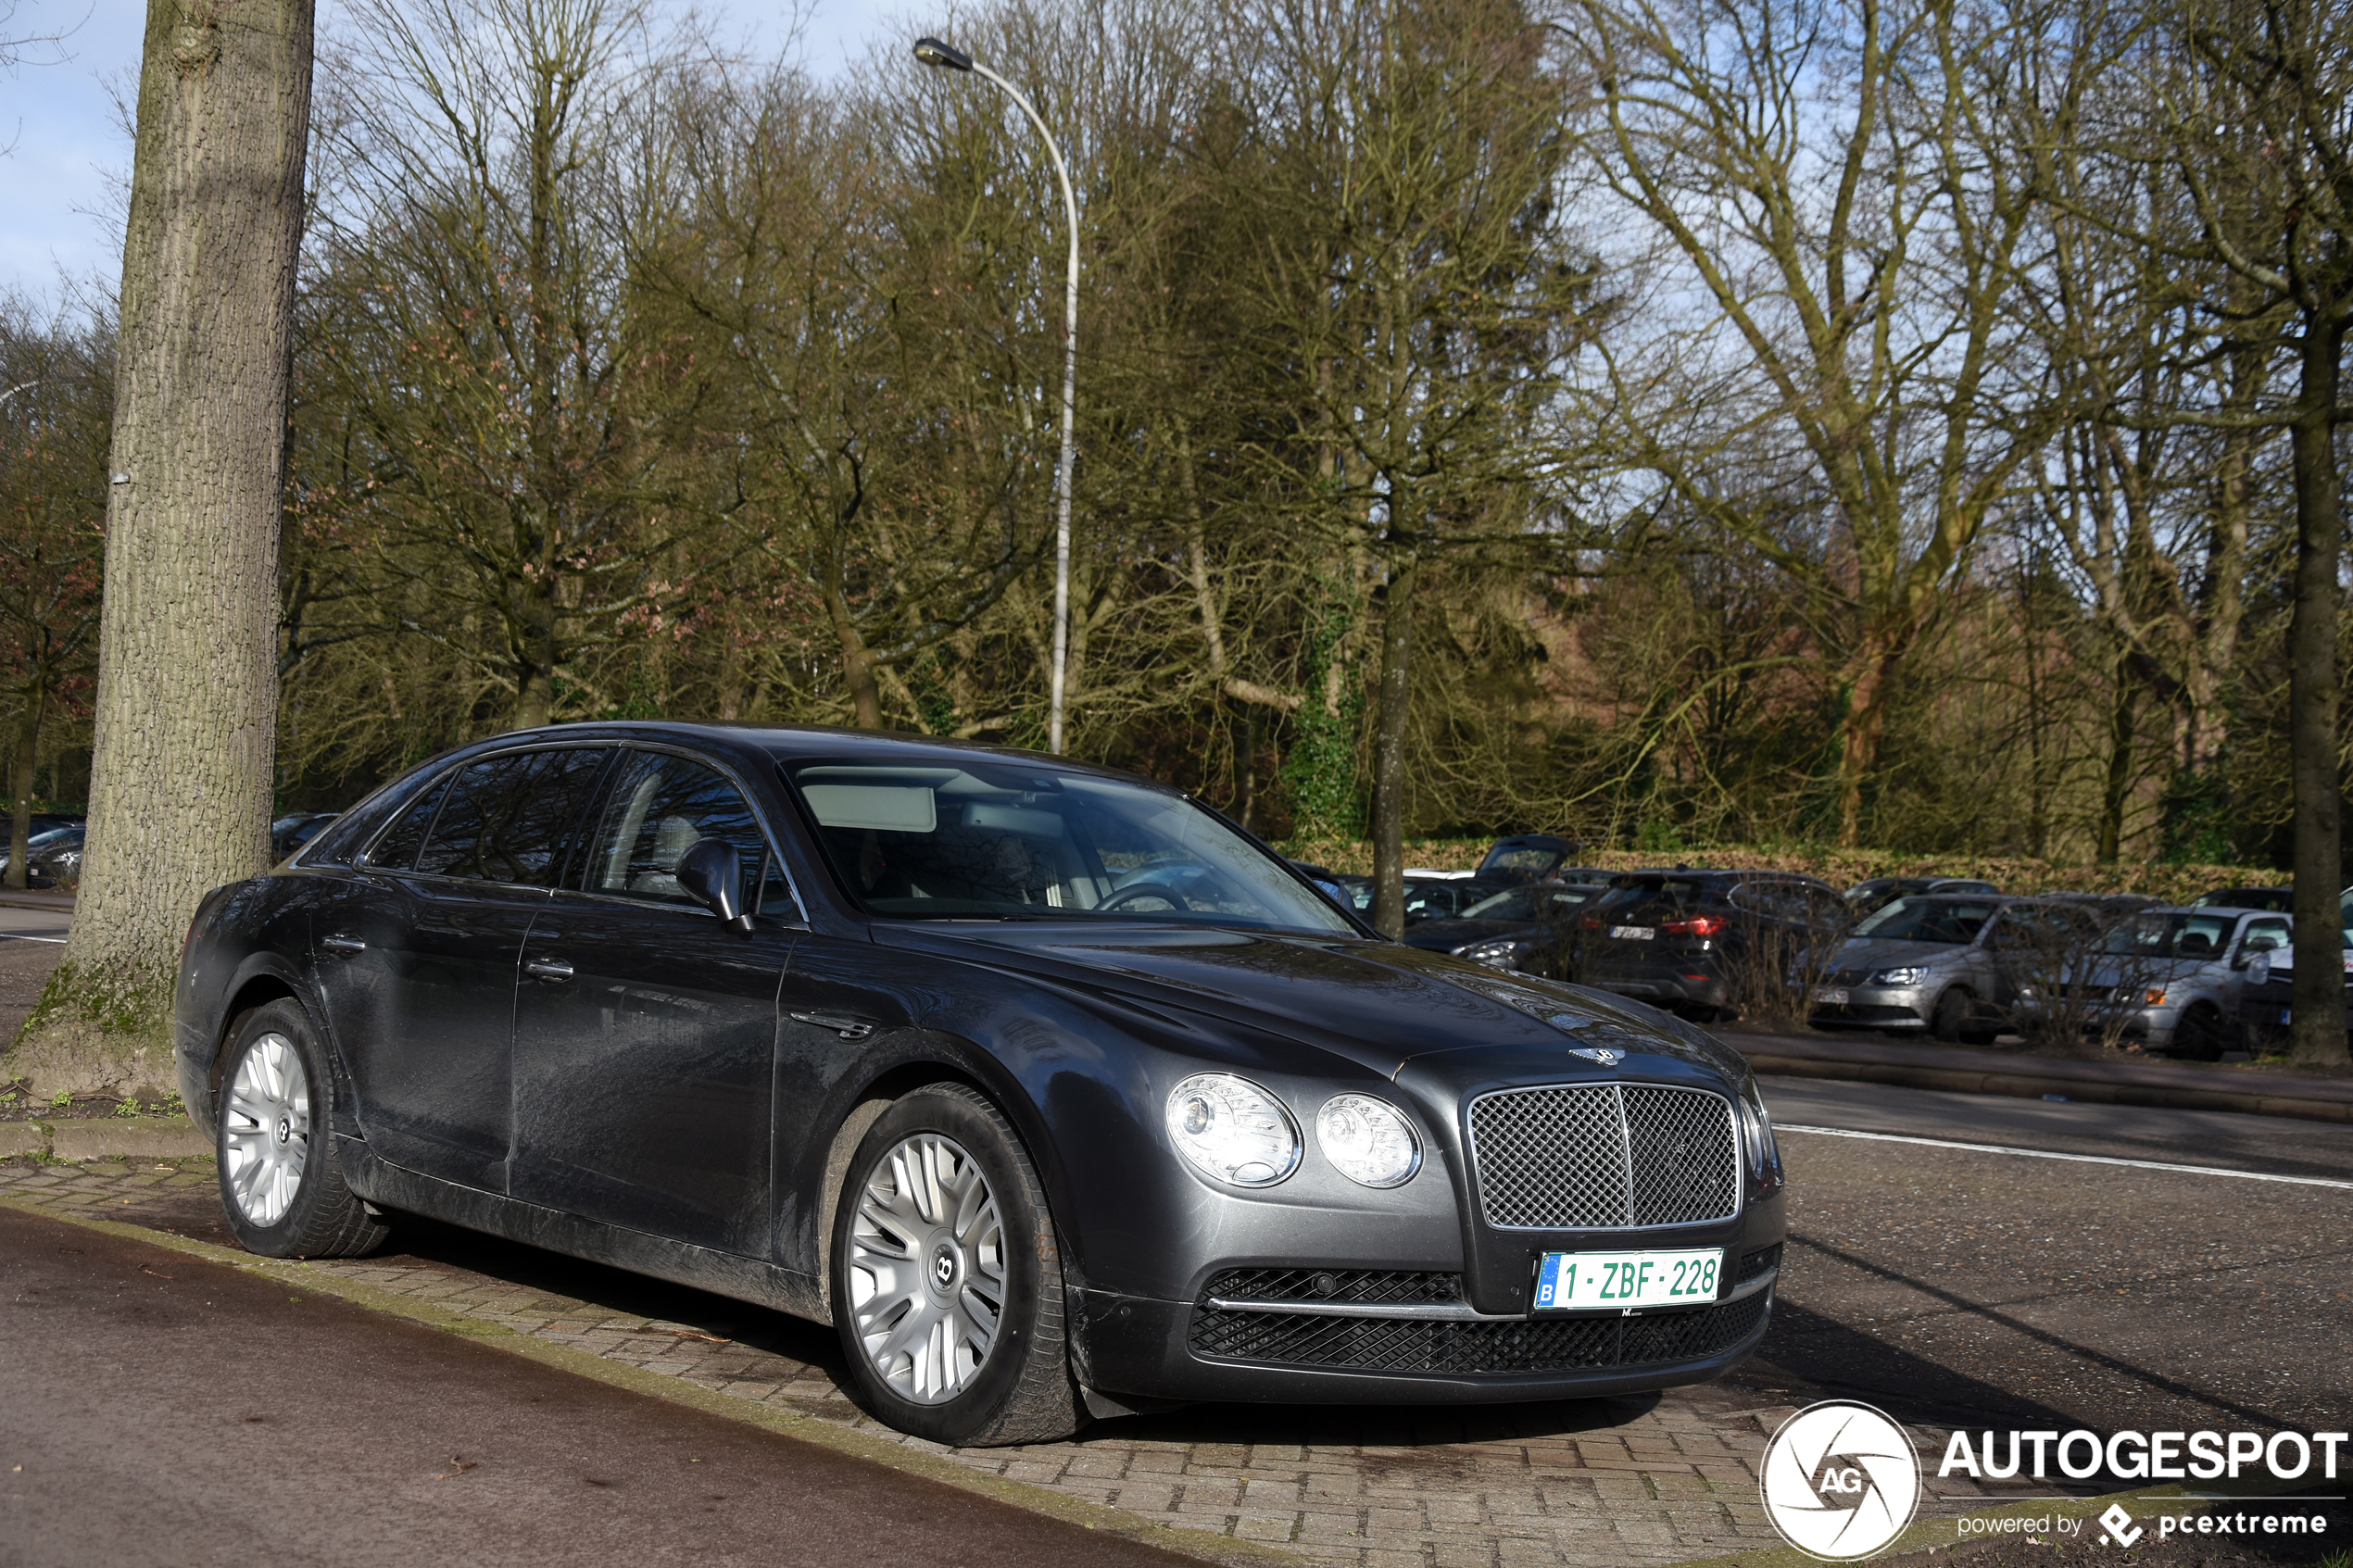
x=1604 y=1157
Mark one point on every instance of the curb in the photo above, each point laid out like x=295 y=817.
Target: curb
x=2026 y=1085
x=1232 y=1551
x=125 y=1138
x=33 y=899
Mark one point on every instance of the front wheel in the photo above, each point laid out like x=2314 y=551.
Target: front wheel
x=2202 y=1035
x=947 y=1282
x=280 y=1181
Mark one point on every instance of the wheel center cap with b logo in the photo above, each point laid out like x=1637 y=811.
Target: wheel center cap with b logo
x=1840 y=1480
x=947 y=1266
x=285 y=1130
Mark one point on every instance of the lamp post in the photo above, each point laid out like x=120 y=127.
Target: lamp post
x=932 y=52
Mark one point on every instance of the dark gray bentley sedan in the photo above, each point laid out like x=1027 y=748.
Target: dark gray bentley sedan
x=1054 y=1092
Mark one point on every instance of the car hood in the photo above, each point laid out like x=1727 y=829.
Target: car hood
x=1874 y=953
x=1379 y=1005
x=1445 y=935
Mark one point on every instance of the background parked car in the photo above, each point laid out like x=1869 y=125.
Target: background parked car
x=290 y=833
x=52 y=858
x=1525 y=929
x=1706 y=941
x=2267 y=996
x=1526 y=857
x=2172 y=978
x=1866 y=897
x=1927 y=963
x=42 y=822
x=2280 y=898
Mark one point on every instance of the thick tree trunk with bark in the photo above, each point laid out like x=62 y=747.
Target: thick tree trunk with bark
x=179 y=789
x=2312 y=705
x=1389 y=750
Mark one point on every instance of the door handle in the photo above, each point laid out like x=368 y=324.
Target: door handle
x=840 y=1023
x=548 y=969
x=343 y=944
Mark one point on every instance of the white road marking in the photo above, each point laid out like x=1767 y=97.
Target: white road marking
x=21 y=936
x=2046 y=1154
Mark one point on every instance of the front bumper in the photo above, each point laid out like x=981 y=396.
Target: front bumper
x=1190 y=1352
x=1877 y=1007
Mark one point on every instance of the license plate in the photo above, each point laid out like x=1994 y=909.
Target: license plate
x=1594 y=1281
x=1829 y=997
x=1634 y=932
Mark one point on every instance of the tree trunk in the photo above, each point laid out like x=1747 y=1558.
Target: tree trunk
x=1388 y=752
x=186 y=706
x=1245 y=766
x=857 y=662
x=1859 y=733
x=2312 y=706
x=2117 y=791
x=36 y=697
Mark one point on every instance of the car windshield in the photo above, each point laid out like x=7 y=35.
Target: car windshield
x=1957 y=921
x=1015 y=840
x=53 y=836
x=2171 y=937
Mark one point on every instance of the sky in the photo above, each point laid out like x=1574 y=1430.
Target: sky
x=64 y=153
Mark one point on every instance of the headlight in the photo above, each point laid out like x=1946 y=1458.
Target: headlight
x=1500 y=952
x=1764 y=1150
x=1232 y=1130
x=2154 y=995
x=1911 y=975
x=1367 y=1141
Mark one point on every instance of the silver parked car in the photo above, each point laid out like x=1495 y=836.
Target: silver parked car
x=1923 y=962
x=2172 y=978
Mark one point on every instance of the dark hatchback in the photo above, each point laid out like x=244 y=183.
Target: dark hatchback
x=1054 y=1092
x=1526 y=929
x=1694 y=940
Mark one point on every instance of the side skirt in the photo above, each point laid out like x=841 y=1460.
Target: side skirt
x=723 y=1274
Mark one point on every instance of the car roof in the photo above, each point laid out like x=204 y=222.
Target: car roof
x=1537 y=840
x=792 y=743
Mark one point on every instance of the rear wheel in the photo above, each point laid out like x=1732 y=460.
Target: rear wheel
x=281 y=1185
x=947 y=1280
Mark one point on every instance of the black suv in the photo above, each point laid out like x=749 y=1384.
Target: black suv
x=1695 y=941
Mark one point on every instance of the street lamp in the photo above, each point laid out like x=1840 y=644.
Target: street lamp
x=932 y=52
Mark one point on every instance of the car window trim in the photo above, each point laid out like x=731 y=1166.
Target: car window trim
x=799 y=921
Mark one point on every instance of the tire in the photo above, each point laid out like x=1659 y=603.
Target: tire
x=1955 y=1020
x=903 y=1262
x=282 y=1186
x=2202 y=1035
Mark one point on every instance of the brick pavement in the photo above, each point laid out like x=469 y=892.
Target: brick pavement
x=1614 y=1484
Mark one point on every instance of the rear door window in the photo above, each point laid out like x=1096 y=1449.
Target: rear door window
x=397 y=850
x=511 y=819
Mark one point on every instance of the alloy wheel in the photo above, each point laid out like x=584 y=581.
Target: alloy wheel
x=264 y=1131
x=927 y=1269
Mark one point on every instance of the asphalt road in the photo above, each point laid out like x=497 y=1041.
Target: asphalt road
x=34 y=925
x=1957 y=1287
x=164 y=1409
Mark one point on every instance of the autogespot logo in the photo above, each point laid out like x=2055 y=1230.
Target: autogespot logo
x=1841 y=1481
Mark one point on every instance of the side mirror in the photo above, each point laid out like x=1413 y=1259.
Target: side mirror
x=713 y=875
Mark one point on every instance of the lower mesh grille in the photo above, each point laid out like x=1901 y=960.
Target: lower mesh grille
x=1756 y=1263
x=1419 y=1345
x=1382 y=1286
